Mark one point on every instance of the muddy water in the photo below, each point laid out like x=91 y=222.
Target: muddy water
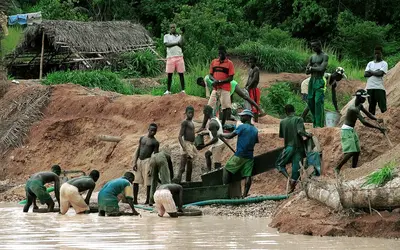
x=53 y=231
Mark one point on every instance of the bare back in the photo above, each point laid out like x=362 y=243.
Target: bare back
x=83 y=183
x=45 y=177
x=353 y=113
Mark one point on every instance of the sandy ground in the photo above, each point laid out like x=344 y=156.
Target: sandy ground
x=75 y=116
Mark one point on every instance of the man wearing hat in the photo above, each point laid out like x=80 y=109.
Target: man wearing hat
x=349 y=137
x=331 y=79
x=292 y=130
x=243 y=159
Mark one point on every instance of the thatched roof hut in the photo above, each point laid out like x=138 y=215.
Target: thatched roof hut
x=71 y=42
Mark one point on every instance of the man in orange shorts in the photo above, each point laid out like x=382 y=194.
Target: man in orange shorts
x=166 y=197
x=174 y=42
x=251 y=86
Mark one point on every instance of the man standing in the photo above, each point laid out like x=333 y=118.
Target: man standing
x=349 y=137
x=174 y=42
x=166 y=197
x=141 y=162
x=252 y=86
x=221 y=73
x=243 y=160
x=35 y=188
x=186 y=140
x=112 y=192
x=162 y=171
x=316 y=87
x=217 y=146
x=70 y=193
x=292 y=130
x=375 y=71
x=332 y=79
x=207 y=83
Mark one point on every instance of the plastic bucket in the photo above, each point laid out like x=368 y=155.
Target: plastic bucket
x=331 y=118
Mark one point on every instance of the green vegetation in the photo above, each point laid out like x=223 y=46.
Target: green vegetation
x=104 y=80
x=274 y=99
x=8 y=43
x=137 y=64
x=380 y=177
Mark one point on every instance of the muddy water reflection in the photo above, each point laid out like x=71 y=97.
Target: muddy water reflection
x=53 y=231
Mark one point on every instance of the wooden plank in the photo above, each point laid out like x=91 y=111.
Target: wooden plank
x=41 y=57
x=191 y=195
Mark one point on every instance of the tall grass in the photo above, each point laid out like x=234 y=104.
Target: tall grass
x=292 y=58
x=10 y=42
x=104 y=80
x=380 y=177
x=137 y=64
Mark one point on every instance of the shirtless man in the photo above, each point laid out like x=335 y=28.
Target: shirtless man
x=35 y=189
x=114 y=191
x=186 y=140
x=162 y=171
x=166 y=197
x=70 y=193
x=141 y=162
x=316 y=87
x=350 y=141
x=252 y=86
x=214 y=131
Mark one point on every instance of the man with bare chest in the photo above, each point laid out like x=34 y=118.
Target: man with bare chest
x=316 y=87
x=186 y=140
x=141 y=162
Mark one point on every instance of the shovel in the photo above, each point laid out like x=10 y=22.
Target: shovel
x=387 y=137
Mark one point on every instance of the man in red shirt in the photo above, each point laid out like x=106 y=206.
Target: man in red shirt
x=221 y=73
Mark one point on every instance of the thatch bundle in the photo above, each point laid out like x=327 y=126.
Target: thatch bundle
x=18 y=113
x=113 y=36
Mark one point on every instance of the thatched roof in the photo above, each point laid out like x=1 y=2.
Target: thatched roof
x=113 y=36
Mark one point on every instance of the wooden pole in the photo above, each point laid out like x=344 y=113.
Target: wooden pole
x=41 y=57
x=109 y=138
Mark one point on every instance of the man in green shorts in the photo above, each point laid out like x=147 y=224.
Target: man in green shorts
x=35 y=188
x=114 y=191
x=316 y=87
x=350 y=141
x=243 y=159
x=292 y=130
x=162 y=171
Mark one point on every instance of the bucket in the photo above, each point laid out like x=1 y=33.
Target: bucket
x=331 y=118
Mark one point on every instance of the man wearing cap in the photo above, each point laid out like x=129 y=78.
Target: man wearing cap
x=292 y=130
x=332 y=79
x=221 y=74
x=70 y=193
x=243 y=159
x=217 y=146
x=114 y=191
x=375 y=71
x=316 y=88
x=35 y=188
x=349 y=137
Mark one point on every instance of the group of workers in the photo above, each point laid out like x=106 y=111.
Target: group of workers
x=152 y=166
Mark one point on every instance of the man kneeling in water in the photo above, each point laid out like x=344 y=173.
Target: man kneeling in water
x=114 y=191
x=35 y=189
x=69 y=193
x=166 y=197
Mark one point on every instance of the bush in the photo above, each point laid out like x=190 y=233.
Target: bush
x=8 y=43
x=137 y=64
x=273 y=59
x=104 y=80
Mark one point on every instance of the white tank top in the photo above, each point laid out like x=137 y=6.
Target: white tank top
x=219 y=132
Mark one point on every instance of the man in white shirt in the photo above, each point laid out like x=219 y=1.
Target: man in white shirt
x=174 y=42
x=375 y=71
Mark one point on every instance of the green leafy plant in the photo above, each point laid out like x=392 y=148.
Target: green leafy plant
x=102 y=79
x=382 y=176
x=137 y=64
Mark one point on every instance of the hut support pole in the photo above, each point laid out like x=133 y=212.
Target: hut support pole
x=41 y=57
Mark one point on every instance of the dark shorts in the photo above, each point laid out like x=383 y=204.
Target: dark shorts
x=376 y=96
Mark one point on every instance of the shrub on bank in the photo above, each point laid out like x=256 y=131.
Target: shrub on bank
x=102 y=79
x=137 y=64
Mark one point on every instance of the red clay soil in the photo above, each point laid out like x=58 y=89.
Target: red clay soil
x=300 y=215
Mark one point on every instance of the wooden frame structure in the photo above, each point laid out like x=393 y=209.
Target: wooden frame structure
x=53 y=45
